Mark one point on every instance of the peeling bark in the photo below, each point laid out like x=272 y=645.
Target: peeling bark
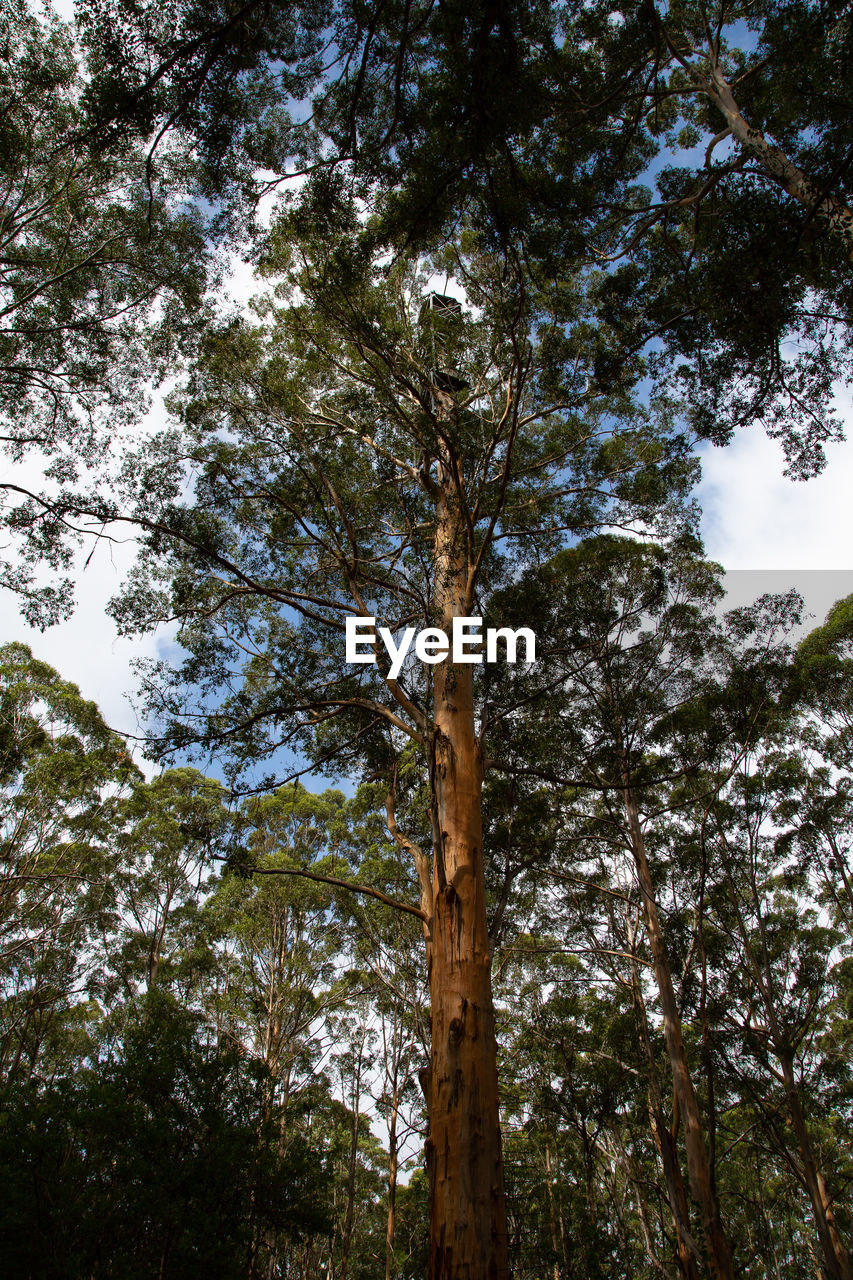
x=468 y=1234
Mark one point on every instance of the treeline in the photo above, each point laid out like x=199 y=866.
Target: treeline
x=211 y=1051
x=197 y=1052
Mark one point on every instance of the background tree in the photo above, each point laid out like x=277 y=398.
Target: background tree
x=62 y=772
x=170 y=828
x=103 y=266
x=151 y=1162
x=279 y=934
x=682 y=150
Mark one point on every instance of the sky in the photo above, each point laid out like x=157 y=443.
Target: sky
x=771 y=533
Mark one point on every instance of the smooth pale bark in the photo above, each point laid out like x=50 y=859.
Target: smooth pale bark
x=552 y=1216
x=835 y=1252
x=391 y=1222
x=349 y=1219
x=636 y=1183
x=815 y=1260
x=468 y=1234
x=698 y=1168
x=823 y=204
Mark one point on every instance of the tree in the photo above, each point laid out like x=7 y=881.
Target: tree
x=169 y=831
x=783 y=982
x=62 y=773
x=572 y=1081
x=696 y=154
x=821 y=678
x=281 y=939
x=379 y=449
x=384 y=945
x=151 y=1162
x=103 y=266
x=751 y=220
x=371 y=452
x=632 y=655
x=727 y=277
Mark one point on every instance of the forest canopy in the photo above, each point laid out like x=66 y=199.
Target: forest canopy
x=556 y=979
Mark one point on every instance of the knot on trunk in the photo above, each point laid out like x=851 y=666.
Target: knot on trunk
x=425 y=1081
x=456 y=1030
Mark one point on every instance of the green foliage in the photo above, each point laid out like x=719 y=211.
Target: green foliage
x=591 y=139
x=318 y=438
x=151 y=1162
x=226 y=79
x=62 y=772
x=822 y=677
x=245 y=1089
x=101 y=281
x=646 y=216
x=281 y=934
x=169 y=831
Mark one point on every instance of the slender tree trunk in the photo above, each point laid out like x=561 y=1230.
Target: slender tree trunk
x=552 y=1217
x=836 y=1256
x=636 y=1184
x=835 y=1253
x=698 y=1167
x=815 y=1260
x=346 y=1235
x=687 y=1252
x=468 y=1232
x=392 y=1185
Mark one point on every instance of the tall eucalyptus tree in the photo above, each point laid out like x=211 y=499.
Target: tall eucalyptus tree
x=375 y=450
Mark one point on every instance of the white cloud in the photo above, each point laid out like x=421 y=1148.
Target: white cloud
x=771 y=533
x=756 y=518
x=87 y=648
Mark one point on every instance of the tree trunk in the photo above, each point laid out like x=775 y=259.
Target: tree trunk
x=835 y=1253
x=635 y=1182
x=836 y=1256
x=352 y=1168
x=468 y=1233
x=698 y=1167
x=686 y=1250
x=552 y=1217
x=392 y=1186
